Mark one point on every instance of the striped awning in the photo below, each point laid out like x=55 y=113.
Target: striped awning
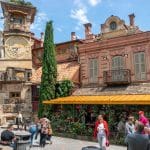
x=102 y=99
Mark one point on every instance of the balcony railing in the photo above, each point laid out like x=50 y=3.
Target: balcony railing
x=2 y=76
x=12 y=108
x=121 y=76
x=18 y=26
x=15 y=75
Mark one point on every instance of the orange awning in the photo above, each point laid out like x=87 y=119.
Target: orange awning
x=111 y=99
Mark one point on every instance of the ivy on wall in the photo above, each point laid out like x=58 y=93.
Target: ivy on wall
x=63 y=88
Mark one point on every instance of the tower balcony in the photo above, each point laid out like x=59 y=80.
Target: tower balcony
x=18 y=26
x=2 y=76
x=117 y=77
x=15 y=75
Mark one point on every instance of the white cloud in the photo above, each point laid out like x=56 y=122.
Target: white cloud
x=80 y=15
x=94 y=2
x=40 y=18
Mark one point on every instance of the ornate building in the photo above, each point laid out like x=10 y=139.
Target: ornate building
x=16 y=60
x=118 y=55
x=114 y=65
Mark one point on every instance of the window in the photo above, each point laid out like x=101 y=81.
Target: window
x=113 y=25
x=140 y=67
x=93 y=70
x=16 y=19
x=14 y=94
x=117 y=65
x=117 y=62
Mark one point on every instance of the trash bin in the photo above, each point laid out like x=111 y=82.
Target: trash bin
x=90 y=148
x=23 y=143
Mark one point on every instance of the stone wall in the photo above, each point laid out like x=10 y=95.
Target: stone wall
x=15 y=63
x=23 y=103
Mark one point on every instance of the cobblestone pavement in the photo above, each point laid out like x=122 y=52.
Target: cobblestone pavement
x=60 y=143
x=72 y=144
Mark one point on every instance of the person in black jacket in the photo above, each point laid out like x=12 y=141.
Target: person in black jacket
x=138 y=140
x=8 y=137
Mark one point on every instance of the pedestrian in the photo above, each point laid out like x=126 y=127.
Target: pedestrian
x=101 y=131
x=137 y=140
x=143 y=119
x=129 y=125
x=8 y=137
x=32 y=130
x=121 y=126
x=19 y=120
x=38 y=127
x=44 y=132
x=50 y=132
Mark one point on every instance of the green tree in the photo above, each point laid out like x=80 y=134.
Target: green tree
x=21 y=2
x=49 y=69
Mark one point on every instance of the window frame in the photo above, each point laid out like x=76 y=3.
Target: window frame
x=113 y=25
x=93 y=78
x=138 y=76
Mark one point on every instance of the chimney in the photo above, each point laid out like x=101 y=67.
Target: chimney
x=42 y=39
x=73 y=36
x=131 y=17
x=88 y=27
x=42 y=36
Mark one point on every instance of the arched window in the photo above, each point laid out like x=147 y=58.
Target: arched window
x=113 y=25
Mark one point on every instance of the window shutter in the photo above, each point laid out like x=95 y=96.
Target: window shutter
x=93 y=70
x=117 y=64
x=140 y=68
x=96 y=68
x=143 y=69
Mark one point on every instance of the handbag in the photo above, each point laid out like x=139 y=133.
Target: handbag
x=107 y=143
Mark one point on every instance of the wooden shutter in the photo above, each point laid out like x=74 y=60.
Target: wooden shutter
x=140 y=67
x=117 y=64
x=93 y=70
x=143 y=67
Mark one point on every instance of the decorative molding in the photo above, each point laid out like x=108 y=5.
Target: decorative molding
x=139 y=48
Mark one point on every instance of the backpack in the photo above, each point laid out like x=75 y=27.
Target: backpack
x=33 y=129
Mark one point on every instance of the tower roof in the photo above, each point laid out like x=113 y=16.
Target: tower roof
x=19 y=8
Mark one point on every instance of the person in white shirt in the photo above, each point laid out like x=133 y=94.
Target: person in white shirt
x=19 y=119
x=101 y=131
x=129 y=126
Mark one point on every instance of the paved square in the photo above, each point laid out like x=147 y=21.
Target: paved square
x=60 y=143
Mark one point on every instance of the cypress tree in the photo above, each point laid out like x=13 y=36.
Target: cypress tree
x=49 y=69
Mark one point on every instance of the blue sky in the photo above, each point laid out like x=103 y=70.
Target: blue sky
x=70 y=15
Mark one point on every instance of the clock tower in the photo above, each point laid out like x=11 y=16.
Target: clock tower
x=16 y=60
x=17 y=36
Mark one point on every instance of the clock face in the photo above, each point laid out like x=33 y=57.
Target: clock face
x=16 y=47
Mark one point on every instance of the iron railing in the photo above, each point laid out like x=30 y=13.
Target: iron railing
x=15 y=75
x=121 y=76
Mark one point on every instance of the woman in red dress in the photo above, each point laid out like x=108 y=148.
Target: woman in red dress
x=101 y=131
